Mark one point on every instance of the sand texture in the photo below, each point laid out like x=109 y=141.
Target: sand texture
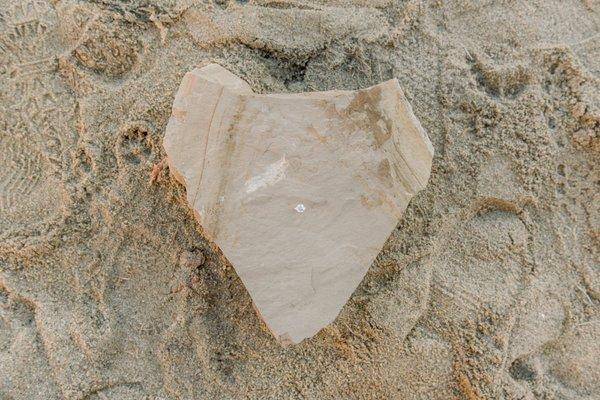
x=489 y=288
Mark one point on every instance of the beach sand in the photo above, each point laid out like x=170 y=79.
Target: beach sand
x=488 y=289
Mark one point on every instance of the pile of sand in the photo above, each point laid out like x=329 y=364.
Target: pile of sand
x=488 y=289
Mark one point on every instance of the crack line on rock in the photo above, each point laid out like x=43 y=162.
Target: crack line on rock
x=206 y=145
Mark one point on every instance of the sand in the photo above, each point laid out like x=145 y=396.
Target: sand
x=488 y=289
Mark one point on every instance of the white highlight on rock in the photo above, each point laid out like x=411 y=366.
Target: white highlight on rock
x=274 y=173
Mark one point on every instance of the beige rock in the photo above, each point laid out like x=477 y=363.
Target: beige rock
x=300 y=191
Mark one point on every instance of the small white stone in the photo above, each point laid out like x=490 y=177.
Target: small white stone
x=300 y=208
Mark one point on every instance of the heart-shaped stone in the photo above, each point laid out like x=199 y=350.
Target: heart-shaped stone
x=301 y=190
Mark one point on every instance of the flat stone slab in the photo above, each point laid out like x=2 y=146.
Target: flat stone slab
x=300 y=191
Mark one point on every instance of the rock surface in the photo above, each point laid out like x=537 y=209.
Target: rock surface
x=300 y=191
